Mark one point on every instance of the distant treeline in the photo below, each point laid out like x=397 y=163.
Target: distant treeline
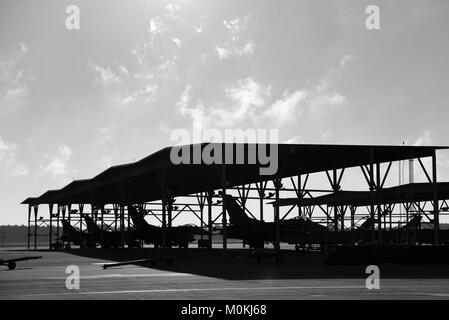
x=18 y=234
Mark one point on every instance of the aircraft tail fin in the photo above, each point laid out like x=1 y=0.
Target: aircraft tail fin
x=236 y=213
x=67 y=228
x=413 y=222
x=92 y=227
x=138 y=219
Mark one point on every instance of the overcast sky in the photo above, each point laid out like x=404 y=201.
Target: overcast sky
x=74 y=102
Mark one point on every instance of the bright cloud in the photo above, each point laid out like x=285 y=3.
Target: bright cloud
x=196 y=112
x=7 y=152
x=286 y=108
x=20 y=171
x=249 y=103
x=58 y=162
x=321 y=103
x=347 y=59
x=156 y=26
x=172 y=9
x=424 y=140
x=105 y=75
x=237 y=44
x=105 y=134
x=198 y=29
x=178 y=42
x=14 y=79
x=223 y=53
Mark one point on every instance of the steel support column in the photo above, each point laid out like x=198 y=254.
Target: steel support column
x=69 y=212
x=169 y=211
x=102 y=221
x=164 y=223
x=50 y=239
x=335 y=188
x=277 y=234
x=436 y=218
x=36 y=209
x=29 y=226
x=372 y=193
x=224 y=214
x=379 y=209
x=122 y=225
x=122 y=214
x=81 y=210
x=209 y=216
x=352 y=209
x=164 y=208
x=62 y=208
x=261 y=188
x=299 y=195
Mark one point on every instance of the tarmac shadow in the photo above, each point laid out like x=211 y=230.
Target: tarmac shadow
x=237 y=264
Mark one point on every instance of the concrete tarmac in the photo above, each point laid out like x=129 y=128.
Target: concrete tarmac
x=211 y=274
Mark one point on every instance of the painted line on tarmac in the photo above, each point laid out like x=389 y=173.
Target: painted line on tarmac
x=230 y=289
x=118 y=275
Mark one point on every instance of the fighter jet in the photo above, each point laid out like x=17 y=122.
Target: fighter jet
x=71 y=235
x=107 y=239
x=255 y=232
x=150 y=234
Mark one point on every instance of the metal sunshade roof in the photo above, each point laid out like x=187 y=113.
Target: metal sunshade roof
x=141 y=181
x=413 y=192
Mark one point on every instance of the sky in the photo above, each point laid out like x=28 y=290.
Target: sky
x=75 y=102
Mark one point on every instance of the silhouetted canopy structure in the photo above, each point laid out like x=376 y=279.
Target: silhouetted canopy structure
x=413 y=192
x=156 y=175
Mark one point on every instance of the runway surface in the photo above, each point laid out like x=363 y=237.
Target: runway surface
x=216 y=274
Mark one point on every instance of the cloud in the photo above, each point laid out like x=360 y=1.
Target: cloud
x=105 y=75
x=236 y=45
x=247 y=93
x=58 y=162
x=286 y=108
x=7 y=152
x=172 y=9
x=124 y=87
x=223 y=53
x=153 y=65
x=15 y=79
x=196 y=112
x=247 y=103
x=243 y=97
x=156 y=27
x=293 y=140
x=20 y=171
x=106 y=161
x=184 y=99
x=424 y=140
x=123 y=69
x=198 y=29
x=347 y=59
x=178 y=42
x=105 y=135
x=321 y=103
x=162 y=127
x=326 y=135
